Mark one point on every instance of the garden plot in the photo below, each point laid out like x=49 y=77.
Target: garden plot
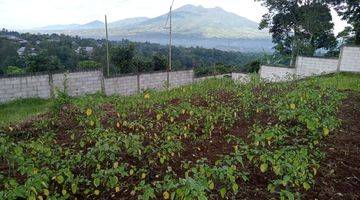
x=211 y=140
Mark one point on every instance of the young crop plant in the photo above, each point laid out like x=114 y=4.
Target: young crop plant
x=215 y=139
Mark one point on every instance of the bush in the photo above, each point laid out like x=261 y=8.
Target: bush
x=216 y=70
x=13 y=70
x=253 y=67
x=89 y=64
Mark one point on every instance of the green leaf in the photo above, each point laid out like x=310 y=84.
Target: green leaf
x=96 y=182
x=222 y=192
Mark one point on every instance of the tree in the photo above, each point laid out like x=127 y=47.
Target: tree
x=349 y=10
x=299 y=26
x=159 y=62
x=43 y=62
x=89 y=64
x=123 y=58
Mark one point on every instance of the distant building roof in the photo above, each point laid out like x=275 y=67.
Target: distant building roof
x=88 y=50
x=21 y=51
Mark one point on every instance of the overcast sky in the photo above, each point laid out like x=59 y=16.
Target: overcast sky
x=25 y=14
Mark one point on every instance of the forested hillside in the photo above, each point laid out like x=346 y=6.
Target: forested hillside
x=28 y=53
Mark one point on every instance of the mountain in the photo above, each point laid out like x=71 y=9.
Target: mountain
x=91 y=25
x=127 y=22
x=205 y=22
x=192 y=26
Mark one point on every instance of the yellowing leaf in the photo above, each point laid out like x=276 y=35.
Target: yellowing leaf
x=46 y=192
x=88 y=112
x=63 y=192
x=146 y=96
x=171 y=119
x=276 y=169
x=211 y=185
x=11 y=128
x=74 y=188
x=60 y=179
x=116 y=164
x=183 y=111
x=235 y=187
x=91 y=123
x=158 y=116
x=143 y=175
x=263 y=167
x=306 y=186
x=326 y=131
x=162 y=160
x=117 y=189
x=40 y=198
x=118 y=124
x=96 y=192
x=131 y=172
x=166 y=195
x=292 y=106
x=314 y=170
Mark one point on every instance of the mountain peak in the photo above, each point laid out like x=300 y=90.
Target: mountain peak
x=190 y=8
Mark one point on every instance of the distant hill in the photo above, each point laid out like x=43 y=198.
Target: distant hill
x=127 y=22
x=192 y=26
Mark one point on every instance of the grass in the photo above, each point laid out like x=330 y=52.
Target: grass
x=343 y=81
x=18 y=110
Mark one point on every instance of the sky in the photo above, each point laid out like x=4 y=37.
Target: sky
x=27 y=14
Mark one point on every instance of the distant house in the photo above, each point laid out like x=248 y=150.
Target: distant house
x=23 y=41
x=33 y=52
x=21 y=51
x=87 y=50
x=11 y=37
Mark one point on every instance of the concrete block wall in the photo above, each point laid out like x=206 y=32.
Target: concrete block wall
x=24 y=87
x=125 y=85
x=79 y=83
x=180 y=78
x=276 y=74
x=350 y=59
x=240 y=77
x=308 y=66
x=153 y=81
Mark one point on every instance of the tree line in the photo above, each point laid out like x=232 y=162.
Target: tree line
x=46 y=53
